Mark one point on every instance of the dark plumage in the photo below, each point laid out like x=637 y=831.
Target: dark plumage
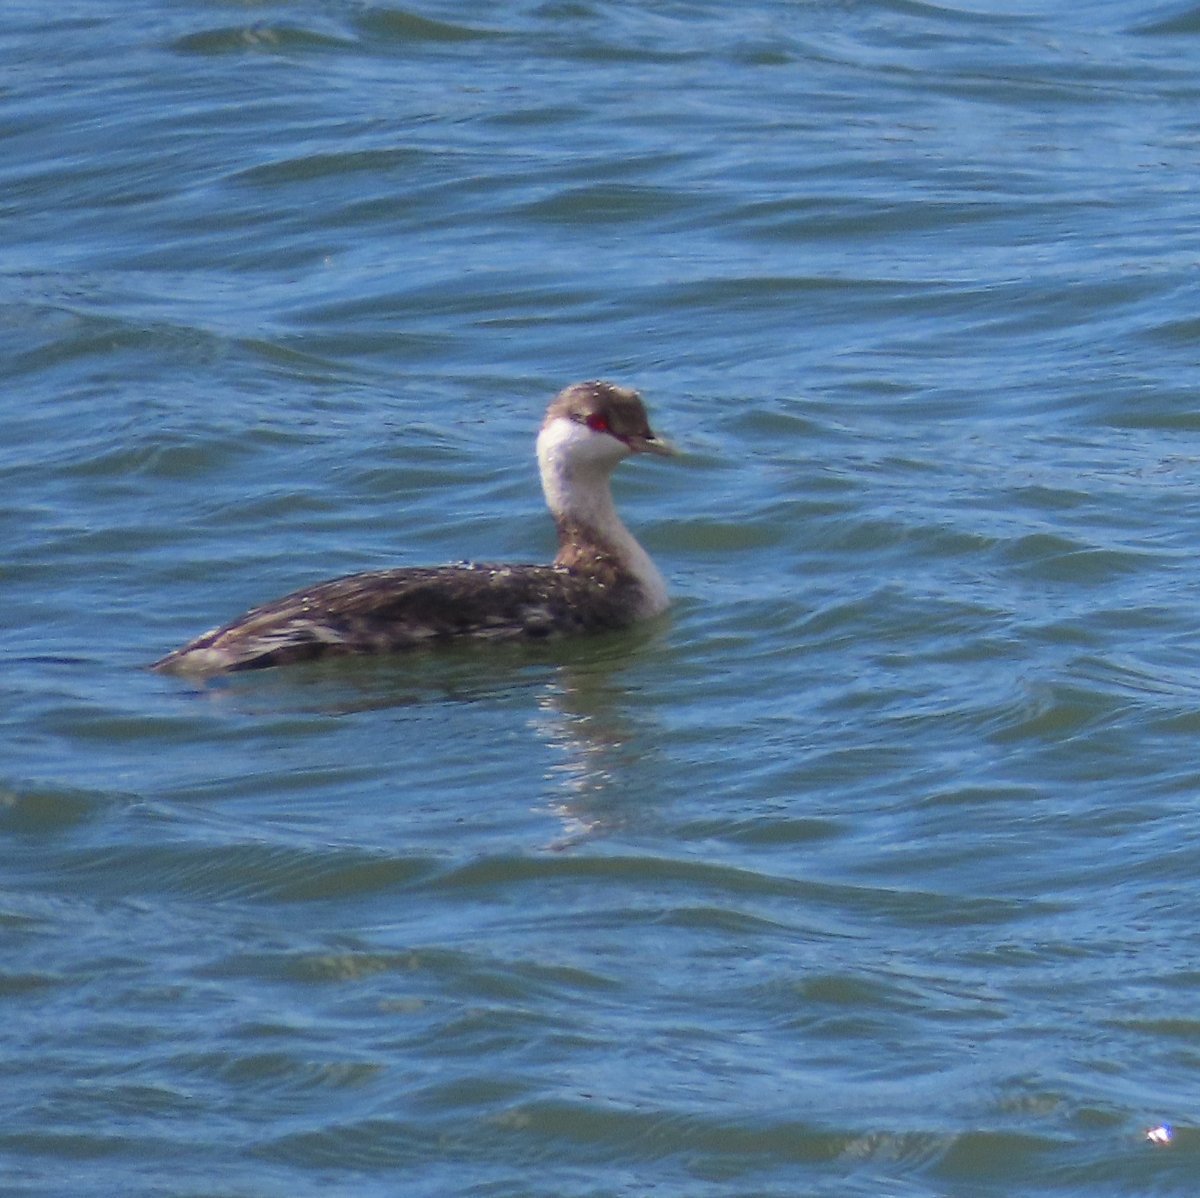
x=387 y=611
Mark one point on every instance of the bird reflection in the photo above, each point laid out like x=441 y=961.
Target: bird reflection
x=583 y=717
x=576 y=703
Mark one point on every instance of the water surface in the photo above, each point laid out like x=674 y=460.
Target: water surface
x=870 y=870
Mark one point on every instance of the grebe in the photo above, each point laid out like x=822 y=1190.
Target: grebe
x=601 y=579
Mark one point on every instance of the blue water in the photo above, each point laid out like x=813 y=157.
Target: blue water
x=870 y=870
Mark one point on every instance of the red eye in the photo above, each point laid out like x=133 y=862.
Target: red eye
x=598 y=422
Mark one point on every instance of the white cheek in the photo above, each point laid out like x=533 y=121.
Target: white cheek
x=575 y=465
x=568 y=447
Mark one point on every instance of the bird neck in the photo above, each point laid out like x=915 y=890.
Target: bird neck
x=591 y=534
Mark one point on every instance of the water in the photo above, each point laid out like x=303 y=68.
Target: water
x=871 y=870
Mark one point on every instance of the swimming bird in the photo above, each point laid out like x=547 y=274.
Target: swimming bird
x=601 y=578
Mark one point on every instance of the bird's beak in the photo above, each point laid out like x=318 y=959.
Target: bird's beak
x=652 y=444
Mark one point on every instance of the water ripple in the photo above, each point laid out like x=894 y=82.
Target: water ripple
x=869 y=869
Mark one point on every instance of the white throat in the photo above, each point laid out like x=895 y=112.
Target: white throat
x=576 y=465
